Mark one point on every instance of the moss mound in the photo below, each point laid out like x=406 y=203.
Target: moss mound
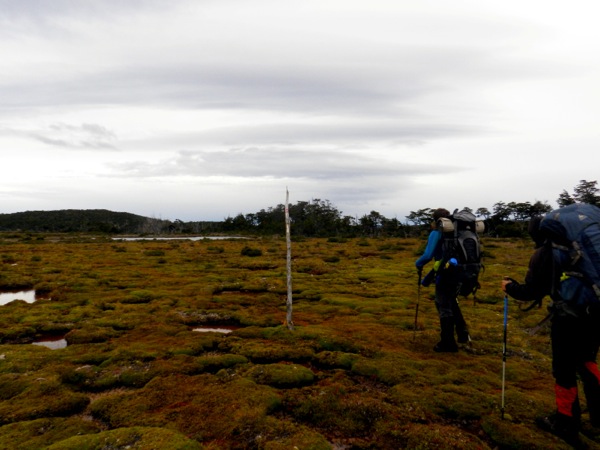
x=42 y=398
x=203 y=407
x=135 y=438
x=281 y=375
x=39 y=433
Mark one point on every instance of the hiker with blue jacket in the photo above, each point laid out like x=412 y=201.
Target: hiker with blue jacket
x=446 y=287
x=574 y=334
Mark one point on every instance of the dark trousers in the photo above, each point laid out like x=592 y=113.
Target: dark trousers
x=449 y=310
x=445 y=300
x=575 y=343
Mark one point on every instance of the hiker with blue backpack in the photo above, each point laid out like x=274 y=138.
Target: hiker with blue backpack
x=566 y=266
x=450 y=243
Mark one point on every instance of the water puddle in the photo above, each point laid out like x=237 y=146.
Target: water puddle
x=215 y=329
x=7 y=297
x=52 y=342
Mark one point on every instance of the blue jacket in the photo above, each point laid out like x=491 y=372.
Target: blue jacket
x=433 y=249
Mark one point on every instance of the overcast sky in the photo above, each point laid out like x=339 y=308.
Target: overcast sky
x=204 y=109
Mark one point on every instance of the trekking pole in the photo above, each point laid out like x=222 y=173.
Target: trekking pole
x=504 y=353
x=417 y=308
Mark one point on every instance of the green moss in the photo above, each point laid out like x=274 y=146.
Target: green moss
x=340 y=360
x=363 y=378
x=281 y=375
x=90 y=335
x=394 y=369
x=214 y=363
x=268 y=351
x=252 y=252
x=140 y=438
x=340 y=409
x=233 y=409
x=136 y=297
x=42 y=398
x=510 y=435
x=40 y=433
x=12 y=384
x=424 y=437
x=285 y=435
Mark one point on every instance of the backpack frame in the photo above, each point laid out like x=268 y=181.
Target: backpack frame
x=461 y=250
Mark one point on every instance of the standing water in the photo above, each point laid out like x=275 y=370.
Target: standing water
x=215 y=329
x=52 y=343
x=7 y=297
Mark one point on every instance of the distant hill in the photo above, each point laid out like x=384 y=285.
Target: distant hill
x=77 y=220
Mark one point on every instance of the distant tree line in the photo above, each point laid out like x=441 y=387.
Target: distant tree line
x=315 y=218
x=320 y=218
x=99 y=221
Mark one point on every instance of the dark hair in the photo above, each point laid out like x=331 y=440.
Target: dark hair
x=534 y=231
x=439 y=213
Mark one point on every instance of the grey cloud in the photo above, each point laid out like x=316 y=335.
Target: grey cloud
x=42 y=11
x=398 y=90
x=399 y=130
x=221 y=71
x=277 y=163
x=84 y=136
x=344 y=132
x=212 y=88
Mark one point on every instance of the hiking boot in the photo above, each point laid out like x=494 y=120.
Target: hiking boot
x=444 y=347
x=447 y=342
x=463 y=337
x=564 y=427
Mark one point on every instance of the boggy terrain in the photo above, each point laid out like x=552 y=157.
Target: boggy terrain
x=137 y=373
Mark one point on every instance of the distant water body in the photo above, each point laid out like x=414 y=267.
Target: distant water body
x=187 y=238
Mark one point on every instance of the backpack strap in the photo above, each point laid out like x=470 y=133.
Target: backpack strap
x=532 y=305
x=542 y=323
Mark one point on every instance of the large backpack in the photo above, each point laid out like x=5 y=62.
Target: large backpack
x=461 y=250
x=574 y=231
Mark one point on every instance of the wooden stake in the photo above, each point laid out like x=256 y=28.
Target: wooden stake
x=290 y=323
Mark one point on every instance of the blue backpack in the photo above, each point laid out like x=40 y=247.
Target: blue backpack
x=574 y=231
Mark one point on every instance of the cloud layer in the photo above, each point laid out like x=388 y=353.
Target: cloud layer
x=197 y=110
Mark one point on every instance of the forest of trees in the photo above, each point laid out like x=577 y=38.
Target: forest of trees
x=321 y=218
x=99 y=221
x=315 y=218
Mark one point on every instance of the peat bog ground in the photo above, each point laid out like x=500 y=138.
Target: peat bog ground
x=136 y=372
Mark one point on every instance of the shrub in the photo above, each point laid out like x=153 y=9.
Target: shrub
x=252 y=252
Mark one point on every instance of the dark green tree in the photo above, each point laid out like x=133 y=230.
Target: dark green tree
x=483 y=212
x=372 y=223
x=584 y=192
x=520 y=211
x=501 y=211
x=565 y=199
x=421 y=217
x=539 y=208
x=587 y=192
